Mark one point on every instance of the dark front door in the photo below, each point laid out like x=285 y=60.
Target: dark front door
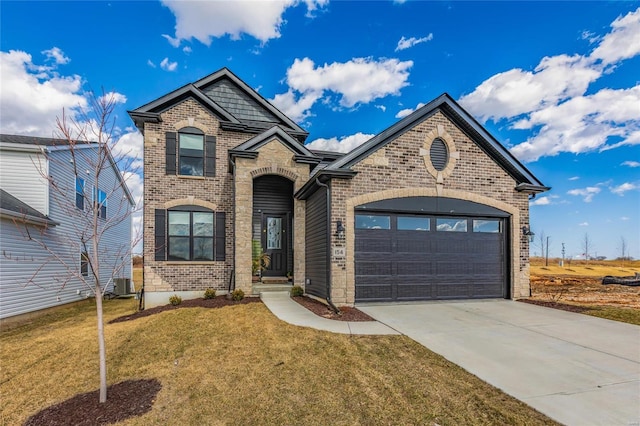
x=275 y=242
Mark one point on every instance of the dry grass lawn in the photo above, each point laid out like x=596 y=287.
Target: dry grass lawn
x=581 y=284
x=241 y=365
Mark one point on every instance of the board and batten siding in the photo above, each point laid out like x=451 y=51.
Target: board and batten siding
x=21 y=177
x=317 y=227
x=57 y=281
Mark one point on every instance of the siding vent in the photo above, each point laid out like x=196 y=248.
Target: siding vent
x=439 y=154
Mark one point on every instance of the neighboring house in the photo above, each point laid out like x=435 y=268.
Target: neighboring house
x=42 y=257
x=433 y=207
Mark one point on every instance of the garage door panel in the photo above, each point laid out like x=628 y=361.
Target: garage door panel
x=432 y=264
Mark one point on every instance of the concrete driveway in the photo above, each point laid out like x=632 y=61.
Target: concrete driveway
x=577 y=369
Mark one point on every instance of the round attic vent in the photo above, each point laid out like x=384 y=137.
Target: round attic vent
x=439 y=154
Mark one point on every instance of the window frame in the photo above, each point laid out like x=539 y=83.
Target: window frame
x=192 y=237
x=101 y=206
x=190 y=153
x=84 y=264
x=79 y=192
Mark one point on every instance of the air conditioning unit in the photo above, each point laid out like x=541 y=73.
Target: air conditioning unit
x=122 y=286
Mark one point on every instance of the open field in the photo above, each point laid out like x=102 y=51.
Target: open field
x=241 y=365
x=581 y=284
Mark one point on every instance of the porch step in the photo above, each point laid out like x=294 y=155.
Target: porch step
x=275 y=280
x=263 y=288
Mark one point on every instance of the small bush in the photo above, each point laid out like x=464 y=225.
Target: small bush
x=175 y=300
x=237 y=294
x=209 y=293
x=296 y=290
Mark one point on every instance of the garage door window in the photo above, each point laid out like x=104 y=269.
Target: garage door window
x=451 y=225
x=488 y=226
x=373 y=222
x=408 y=223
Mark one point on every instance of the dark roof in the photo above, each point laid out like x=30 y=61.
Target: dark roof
x=11 y=206
x=248 y=149
x=525 y=180
x=239 y=107
x=36 y=140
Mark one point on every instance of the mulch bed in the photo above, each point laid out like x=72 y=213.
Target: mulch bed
x=556 y=305
x=319 y=308
x=127 y=399
x=216 y=302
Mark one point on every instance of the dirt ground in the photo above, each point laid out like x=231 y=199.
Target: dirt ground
x=583 y=290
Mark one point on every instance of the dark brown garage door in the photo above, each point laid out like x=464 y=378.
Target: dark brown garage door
x=410 y=257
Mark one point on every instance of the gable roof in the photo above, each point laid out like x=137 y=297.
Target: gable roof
x=239 y=107
x=13 y=208
x=36 y=143
x=249 y=149
x=526 y=181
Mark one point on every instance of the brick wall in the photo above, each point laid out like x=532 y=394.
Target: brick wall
x=399 y=170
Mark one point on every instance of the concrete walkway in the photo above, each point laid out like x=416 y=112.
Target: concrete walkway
x=576 y=369
x=282 y=306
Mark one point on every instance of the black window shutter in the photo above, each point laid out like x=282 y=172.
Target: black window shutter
x=220 y=236
x=161 y=233
x=210 y=156
x=171 y=148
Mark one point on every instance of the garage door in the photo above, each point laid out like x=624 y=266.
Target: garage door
x=418 y=257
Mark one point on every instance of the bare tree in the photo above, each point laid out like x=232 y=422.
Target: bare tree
x=587 y=246
x=623 y=249
x=542 y=243
x=89 y=140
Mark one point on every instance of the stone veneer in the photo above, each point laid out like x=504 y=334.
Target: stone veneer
x=399 y=170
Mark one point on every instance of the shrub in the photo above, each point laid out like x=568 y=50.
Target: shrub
x=175 y=300
x=209 y=293
x=296 y=290
x=237 y=294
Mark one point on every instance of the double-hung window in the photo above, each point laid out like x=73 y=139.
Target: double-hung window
x=84 y=264
x=191 y=154
x=100 y=200
x=79 y=193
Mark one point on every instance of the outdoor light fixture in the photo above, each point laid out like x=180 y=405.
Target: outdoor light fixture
x=339 y=228
x=527 y=232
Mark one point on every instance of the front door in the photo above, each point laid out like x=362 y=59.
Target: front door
x=274 y=243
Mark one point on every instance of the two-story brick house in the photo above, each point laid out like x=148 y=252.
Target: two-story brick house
x=433 y=207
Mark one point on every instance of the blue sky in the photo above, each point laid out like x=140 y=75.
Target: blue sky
x=558 y=83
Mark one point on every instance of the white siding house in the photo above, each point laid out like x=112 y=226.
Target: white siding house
x=44 y=221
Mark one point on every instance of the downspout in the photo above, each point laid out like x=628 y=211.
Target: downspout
x=329 y=302
x=232 y=277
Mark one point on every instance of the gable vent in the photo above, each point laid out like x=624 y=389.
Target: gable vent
x=439 y=154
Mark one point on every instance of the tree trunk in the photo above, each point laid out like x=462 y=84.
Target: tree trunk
x=101 y=347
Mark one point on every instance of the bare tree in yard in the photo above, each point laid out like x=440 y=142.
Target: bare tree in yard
x=623 y=249
x=91 y=147
x=587 y=246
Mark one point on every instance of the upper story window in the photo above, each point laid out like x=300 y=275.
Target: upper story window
x=84 y=264
x=190 y=153
x=79 y=193
x=100 y=198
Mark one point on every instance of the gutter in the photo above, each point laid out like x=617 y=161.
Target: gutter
x=329 y=302
x=232 y=279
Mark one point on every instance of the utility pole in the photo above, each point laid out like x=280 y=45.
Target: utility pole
x=562 y=263
x=546 y=257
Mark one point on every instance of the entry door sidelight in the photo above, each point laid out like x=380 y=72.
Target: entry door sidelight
x=274 y=243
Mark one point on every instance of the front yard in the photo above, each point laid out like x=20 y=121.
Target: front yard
x=241 y=365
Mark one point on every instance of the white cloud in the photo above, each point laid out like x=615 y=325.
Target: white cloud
x=552 y=101
x=381 y=107
x=405 y=43
x=344 y=144
x=167 y=65
x=587 y=193
x=150 y=63
x=32 y=96
x=540 y=201
x=621 y=189
x=631 y=163
x=583 y=224
x=115 y=97
x=404 y=112
x=187 y=49
x=130 y=145
x=360 y=80
x=574 y=178
x=214 y=19
x=57 y=55
x=624 y=218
